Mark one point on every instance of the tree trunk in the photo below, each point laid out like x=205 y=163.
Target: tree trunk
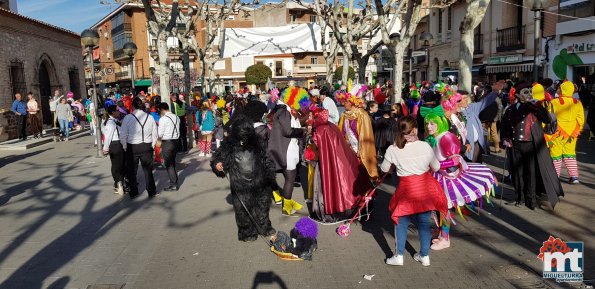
x=163 y=70
x=329 y=70
x=345 y=68
x=473 y=16
x=466 y=60
x=188 y=85
x=398 y=53
x=211 y=82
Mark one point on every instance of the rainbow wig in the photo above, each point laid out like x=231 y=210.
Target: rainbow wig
x=296 y=97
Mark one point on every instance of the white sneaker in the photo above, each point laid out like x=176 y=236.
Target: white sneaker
x=396 y=260
x=120 y=189
x=208 y=155
x=425 y=260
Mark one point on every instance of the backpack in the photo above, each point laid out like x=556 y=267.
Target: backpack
x=552 y=127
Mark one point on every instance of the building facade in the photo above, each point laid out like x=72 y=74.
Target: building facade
x=39 y=58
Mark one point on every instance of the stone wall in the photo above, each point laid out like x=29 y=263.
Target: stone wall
x=35 y=44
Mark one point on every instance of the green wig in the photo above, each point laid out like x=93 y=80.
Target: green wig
x=435 y=115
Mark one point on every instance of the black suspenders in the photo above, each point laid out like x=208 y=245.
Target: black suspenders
x=142 y=126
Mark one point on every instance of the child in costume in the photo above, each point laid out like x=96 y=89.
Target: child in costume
x=462 y=183
x=571 y=119
x=356 y=126
x=243 y=157
x=206 y=126
x=301 y=241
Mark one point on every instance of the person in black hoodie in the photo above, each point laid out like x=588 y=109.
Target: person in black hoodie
x=384 y=131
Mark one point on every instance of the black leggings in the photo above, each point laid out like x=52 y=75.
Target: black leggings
x=116 y=155
x=290 y=176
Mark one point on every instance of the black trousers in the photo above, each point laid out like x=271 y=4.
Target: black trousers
x=183 y=140
x=523 y=163
x=143 y=153
x=168 y=152
x=116 y=155
x=22 y=123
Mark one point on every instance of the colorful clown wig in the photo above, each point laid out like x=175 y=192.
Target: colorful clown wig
x=434 y=115
x=221 y=103
x=342 y=97
x=356 y=101
x=296 y=97
x=450 y=99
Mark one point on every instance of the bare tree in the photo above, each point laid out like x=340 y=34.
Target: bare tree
x=161 y=20
x=476 y=10
x=329 y=45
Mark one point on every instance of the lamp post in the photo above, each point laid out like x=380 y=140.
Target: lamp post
x=130 y=50
x=90 y=39
x=427 y=37
x=536 y=6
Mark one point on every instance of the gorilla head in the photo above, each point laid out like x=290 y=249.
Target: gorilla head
x=243 y=131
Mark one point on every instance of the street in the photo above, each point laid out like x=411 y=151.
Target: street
x=62 y=227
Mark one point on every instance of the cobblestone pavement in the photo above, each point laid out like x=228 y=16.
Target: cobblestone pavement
x=62 y=227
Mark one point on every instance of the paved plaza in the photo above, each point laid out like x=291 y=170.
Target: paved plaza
x=62 y=227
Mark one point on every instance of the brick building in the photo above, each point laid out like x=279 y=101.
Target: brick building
x=35 y=57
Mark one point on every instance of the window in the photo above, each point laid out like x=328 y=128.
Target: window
x=17 y=78
x=118 y=20
x=121 y=39
x=313 y=18
x=313 y=60
x=278 y=68
x=292 y=18
x=449 y=19
x=259 y=62
x=439 y=20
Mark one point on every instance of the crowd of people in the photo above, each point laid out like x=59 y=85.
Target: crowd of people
x=339 y=141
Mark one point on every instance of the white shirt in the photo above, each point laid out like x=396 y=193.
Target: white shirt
x=131 y=132
x=111 y=132
x=169 y=126
x=415 y=158
x=333 y=113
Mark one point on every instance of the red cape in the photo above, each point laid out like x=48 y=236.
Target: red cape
x=344 y=179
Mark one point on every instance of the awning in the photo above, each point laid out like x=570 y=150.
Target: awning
x=143 y=82
x=475 y=70
x=521 y=67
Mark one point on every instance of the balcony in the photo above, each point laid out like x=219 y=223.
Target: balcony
x=309 y=68
x=478 y=44
x=448 y=36
x=121 y=28
x=510 y=39
x=119 y=54
x=122 y=75
x=438 y=39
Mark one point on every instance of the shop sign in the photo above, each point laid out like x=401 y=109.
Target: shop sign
x=581 y=47
x=505 y=59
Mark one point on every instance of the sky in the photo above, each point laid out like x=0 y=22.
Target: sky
x=74 y=15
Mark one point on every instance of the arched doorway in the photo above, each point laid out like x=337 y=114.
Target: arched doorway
x=45 y=92
x=436 y=75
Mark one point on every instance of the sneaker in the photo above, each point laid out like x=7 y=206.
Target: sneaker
x=208 y=155
x=440 y=244
x=573 y=180
x=120 y=189
x=171 y=188
x=396 y=260
x=425 y=260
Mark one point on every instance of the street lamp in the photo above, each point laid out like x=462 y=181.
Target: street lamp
x=427 y=37
x=90 y=39
x=536 y=6
x=130 y=50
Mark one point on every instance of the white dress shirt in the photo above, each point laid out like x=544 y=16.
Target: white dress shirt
x=169 y=126
x=111 y=132
x=333 y=113
x=132 y=131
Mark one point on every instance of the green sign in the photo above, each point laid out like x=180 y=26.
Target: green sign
x=505 y=59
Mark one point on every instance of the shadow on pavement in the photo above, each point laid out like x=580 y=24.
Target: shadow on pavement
x=19 y=157
x=268 y=279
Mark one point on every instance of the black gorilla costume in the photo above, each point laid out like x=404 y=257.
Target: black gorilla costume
x=251 y=175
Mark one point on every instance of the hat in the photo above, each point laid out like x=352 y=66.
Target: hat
x=567 y=88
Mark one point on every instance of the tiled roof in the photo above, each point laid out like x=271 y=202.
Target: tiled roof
x=8 y=12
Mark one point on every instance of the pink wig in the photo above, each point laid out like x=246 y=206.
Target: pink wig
x=449 y=102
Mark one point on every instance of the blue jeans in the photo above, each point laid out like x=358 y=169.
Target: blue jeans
x=64 y=127
x=423 y=227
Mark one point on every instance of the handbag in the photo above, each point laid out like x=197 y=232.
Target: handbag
x=552 y=127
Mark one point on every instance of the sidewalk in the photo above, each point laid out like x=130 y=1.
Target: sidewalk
x=47 y=137
x=66 y=229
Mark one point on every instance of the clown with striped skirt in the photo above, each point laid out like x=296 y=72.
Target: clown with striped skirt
x=463 y=183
